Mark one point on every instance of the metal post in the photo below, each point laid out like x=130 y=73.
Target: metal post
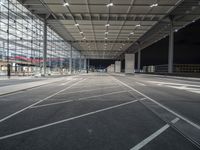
x=85 y=64
x=171 y=47
x=45 y=46
x=139 y=61
x=88 y=65
x=70 y=60
x=80 y=67
x=8 y=43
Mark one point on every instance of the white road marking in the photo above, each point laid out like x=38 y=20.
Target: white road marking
x=153 y=136
x=66 y=120
x=93 y=89
x=159 y=104
x=83 y=98
x=65 y=82
x=187 y=87
x=13 y=114
x=171 y=83
x=140 y=83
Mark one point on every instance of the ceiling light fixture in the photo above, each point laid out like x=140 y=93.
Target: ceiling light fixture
x=66 y=4
x=132 y=33
x=81 y=32
x=154 y=5
x=138 y=25
x=109 y=5
x=107 y=25
x=106 y=38
x=76 y=24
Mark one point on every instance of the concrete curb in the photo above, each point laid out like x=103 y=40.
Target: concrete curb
x=20 y=87
x=172 y=77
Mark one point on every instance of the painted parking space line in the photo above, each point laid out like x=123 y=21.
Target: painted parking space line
x=13 y=114
x=103 y=88
x=79 y=99
x=159 y=104
x=68 y=119
x=154 y=135
x=172 y=83
x=187 y=87
x=140 y=83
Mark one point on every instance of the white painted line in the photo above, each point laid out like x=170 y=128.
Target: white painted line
x=106 y=94
x=153 y=136
x=83 y=98
x=159 y=104
x=175 y=120
x=51 y=104
x=65 y=83
x=93 y=89
x=13 y=114
x=171 y=83
x=140 y=83
x=66 y=120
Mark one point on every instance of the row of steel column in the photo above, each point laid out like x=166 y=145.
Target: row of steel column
x=170 y=50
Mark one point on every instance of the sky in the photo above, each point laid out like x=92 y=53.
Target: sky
x=186 y=49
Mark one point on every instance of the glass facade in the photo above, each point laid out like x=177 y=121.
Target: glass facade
x=21 y=43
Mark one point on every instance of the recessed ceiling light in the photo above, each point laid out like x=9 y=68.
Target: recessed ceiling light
x=76 y=24
x=107 y=25
x=106 y=38
x=109 y=5
x=81 y=32
x=66 y=4
x=154 y=5
x=138 y=25
x=132 y=33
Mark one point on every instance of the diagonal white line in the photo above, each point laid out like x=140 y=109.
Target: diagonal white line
x=66 y=120
x=13 y=114
x=153 y=136
x=84 y=98
x=159 y=104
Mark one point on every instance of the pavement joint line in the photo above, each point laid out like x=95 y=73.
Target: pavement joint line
x=154 y=135
x=13 y=114
x=67 y=120
x=159 y=104
x=80 y=99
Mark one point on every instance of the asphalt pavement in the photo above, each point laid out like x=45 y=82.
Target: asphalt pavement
x=103 y=112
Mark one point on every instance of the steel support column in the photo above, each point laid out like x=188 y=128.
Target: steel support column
x=85 y=64
x=44 y=46
x=171 y=47
x=70 y=60
x=80 y=63
x=139 y=61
